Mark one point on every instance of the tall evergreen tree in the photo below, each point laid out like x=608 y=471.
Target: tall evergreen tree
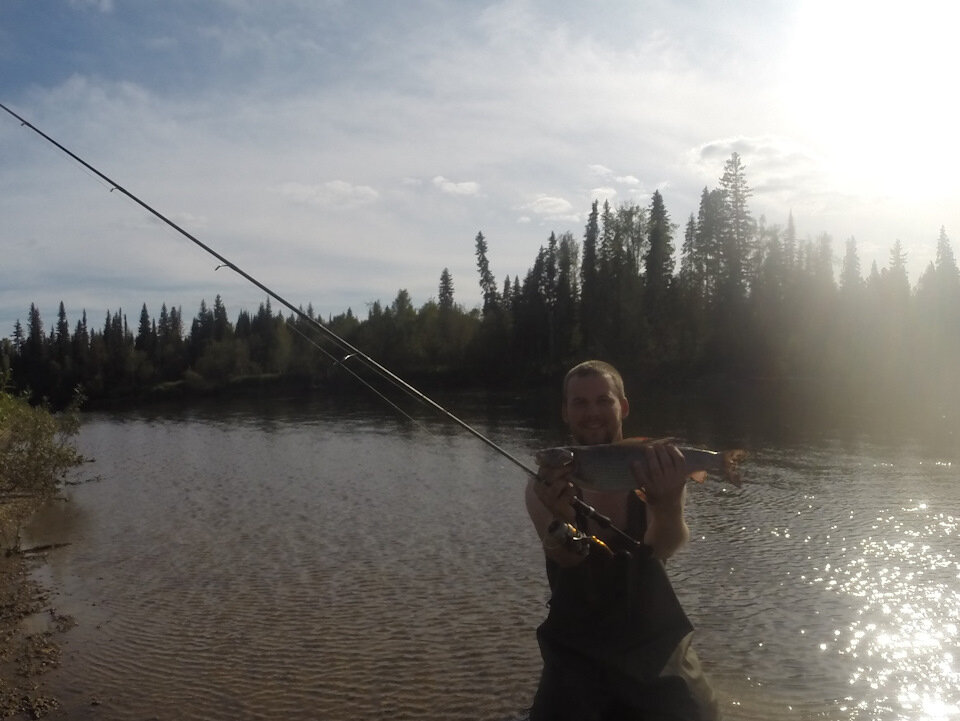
x=221 y=323
x=898 y=283
x=690 y=276
x=62 y=335
x=948 y=276
x=566 y=296
x=738 y=233
x=35 y=356
x=488 y=284
x=590 y=292
x=790 y=242
x=445 y=292
x=145 y=340
x=851 y=280
x=707 y=258
x=658 y=262
x=80 y=348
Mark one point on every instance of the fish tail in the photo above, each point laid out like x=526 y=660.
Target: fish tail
x=698 y=476
x=731 y=466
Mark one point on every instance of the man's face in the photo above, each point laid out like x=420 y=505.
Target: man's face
x=593 y=410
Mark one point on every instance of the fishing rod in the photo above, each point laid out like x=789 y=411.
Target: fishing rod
x=342 y=363
x=352 y=351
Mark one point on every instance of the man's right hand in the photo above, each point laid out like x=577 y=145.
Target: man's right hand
x=555 y=490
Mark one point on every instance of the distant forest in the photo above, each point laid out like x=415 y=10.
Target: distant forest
x=750 y=305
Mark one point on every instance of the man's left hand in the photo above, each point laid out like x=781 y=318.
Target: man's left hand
x=662 y=475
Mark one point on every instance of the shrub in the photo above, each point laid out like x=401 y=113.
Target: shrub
x=36 y=448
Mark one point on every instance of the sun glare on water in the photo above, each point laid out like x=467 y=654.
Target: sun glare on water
x=872 y=87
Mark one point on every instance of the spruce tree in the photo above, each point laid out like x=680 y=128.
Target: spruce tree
x=590 y=293
x=488 y=283
x=738 y=232
x=658 y=262
x=445 y=291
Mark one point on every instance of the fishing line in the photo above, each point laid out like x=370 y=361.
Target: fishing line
x=389 y=375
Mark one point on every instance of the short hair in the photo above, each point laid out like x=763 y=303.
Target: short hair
x=595 y=368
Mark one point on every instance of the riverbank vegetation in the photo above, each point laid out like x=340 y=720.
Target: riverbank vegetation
x=724 y=298
x=36 y=453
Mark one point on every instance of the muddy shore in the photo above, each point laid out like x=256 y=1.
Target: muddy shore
x=25 y=653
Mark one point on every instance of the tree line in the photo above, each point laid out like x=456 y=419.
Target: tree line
x=726 y=298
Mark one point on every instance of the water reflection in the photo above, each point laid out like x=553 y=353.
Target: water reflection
x=843 y=573
x=904 y=577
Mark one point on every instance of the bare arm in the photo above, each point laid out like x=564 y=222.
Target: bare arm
x=548 y=498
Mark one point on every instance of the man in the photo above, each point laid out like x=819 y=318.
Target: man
x=616 y=643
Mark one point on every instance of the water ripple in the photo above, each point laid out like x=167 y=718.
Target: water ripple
x=230 y=567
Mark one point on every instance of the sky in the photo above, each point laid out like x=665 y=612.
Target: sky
x=341 y=150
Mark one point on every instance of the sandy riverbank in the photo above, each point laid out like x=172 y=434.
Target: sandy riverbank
x=25 y=653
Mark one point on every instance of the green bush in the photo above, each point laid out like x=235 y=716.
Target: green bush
x=36 y=448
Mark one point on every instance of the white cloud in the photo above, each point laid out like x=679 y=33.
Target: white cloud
x=549 y=206
x=606 y=174
x=604 y=194
x=451 y=188
x=332 y=194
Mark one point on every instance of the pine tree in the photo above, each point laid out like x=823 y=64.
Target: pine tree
x=850 y=279
x=690 y=276
x=790 y=243
x=658 y=262
x=590 y=292
x=488 y=284
x=898 y=284
x=445 y=292
x=35 y=347
x=145 y=335
x=738 y=233
x=566 y=296
x=948 y=276
x=62 y=336
x=707 y=255
x=221 y=323
x=19 y=337
x=80 y=348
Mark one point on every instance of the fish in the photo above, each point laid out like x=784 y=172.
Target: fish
x=606 y=467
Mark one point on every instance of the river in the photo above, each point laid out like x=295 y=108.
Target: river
x=320 y=559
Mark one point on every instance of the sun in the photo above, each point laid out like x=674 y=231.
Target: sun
x=872 y=86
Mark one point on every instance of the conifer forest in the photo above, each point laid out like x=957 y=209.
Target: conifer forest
x=722 y=298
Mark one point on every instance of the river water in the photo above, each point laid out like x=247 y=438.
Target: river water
x=318 y=559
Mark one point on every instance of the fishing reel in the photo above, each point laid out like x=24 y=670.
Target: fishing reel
x=561 y=534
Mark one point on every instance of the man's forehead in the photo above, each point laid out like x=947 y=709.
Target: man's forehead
x=594 y=384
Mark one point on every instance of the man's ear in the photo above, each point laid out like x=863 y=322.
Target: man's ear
x=624 y=407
